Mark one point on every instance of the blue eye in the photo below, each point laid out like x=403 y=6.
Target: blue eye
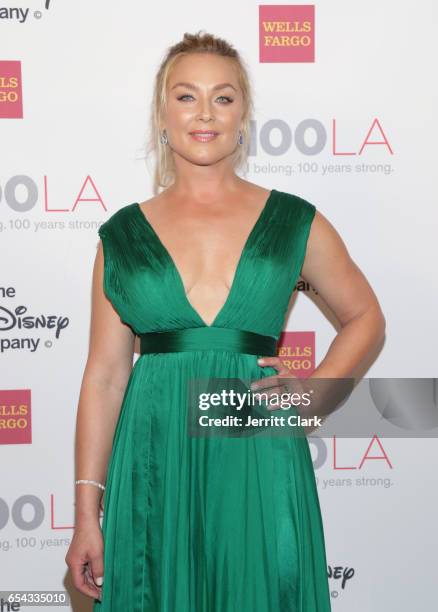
x=227 y=98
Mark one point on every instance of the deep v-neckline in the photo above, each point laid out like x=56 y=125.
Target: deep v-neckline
x=237 y=269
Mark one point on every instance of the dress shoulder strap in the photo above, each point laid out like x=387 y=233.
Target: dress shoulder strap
x=116 y=236
x=294 y=217
x=298 y=209
x=115 y=224
x=117 y=233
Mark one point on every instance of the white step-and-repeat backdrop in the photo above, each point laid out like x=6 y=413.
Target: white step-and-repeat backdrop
x=345 y=98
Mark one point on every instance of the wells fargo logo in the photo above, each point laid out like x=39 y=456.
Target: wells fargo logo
x=286 y=33
x=11 y=98
x=15 y=417
x=297 y=352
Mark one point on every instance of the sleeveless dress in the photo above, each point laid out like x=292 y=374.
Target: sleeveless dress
x=206 y=524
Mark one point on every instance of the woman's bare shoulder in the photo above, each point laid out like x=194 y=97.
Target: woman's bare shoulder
x=246 y=191
x=252 y=191
x=151 y=202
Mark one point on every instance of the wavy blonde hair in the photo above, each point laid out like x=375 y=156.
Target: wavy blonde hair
x=201 y=42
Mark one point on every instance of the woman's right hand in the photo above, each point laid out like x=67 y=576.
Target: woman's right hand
x=85 y=558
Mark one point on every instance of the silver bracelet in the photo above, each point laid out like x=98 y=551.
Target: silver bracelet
x=93 y=482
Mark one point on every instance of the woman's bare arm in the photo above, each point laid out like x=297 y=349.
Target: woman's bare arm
x=330 y=270
x=109 y=364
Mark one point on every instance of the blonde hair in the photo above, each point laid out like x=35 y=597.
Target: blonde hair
x=164 y=172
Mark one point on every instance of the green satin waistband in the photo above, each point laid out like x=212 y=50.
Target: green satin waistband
x=206 y=339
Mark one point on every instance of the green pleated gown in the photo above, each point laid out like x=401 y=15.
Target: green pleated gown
x=206 y=524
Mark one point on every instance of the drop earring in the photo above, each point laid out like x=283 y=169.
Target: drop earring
x=240 y=140
x=163 y=137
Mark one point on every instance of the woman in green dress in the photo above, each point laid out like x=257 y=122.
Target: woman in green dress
x=203 y=273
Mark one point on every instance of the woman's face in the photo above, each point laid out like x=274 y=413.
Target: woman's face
x=203 y=94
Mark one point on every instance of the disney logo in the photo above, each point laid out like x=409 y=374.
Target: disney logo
x=10 y=319
x=341 y=573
